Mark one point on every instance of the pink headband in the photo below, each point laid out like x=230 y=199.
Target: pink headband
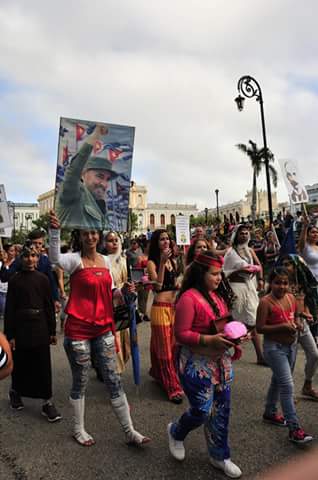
x=207 y=261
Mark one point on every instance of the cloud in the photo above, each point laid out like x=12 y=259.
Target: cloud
x=170 y=69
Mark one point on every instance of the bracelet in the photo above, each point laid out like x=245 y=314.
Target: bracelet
x=202 y=341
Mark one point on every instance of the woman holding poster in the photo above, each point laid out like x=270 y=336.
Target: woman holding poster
x=162 y=270
x=89 y=328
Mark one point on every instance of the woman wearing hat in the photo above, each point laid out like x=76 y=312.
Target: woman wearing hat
x=30 y=325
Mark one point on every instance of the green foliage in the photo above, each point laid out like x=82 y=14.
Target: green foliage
x=42 y=222
x=19 y=236
x=133 y=221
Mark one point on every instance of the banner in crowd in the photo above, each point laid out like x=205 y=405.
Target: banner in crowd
x=93 y=174
x=293 y=181
x=182 y=230
x=5 y=220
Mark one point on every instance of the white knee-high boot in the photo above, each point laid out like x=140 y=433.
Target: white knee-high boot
x=80 y=434
x=121 y=409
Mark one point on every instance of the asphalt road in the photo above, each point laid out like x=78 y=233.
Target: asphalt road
x=33 y=449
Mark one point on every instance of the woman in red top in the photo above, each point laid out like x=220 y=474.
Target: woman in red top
x=89 y=328
x=278 y=321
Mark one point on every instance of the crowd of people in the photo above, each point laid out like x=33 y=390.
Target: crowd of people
x=195 y=297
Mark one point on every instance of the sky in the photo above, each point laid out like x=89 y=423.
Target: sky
x=170 y=69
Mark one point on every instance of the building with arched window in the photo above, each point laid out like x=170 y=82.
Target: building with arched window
x=149 y=215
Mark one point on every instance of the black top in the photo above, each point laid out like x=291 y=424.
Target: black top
x=29 y=314
x=169 y=280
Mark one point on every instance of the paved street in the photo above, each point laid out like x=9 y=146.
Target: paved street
x=33 y=449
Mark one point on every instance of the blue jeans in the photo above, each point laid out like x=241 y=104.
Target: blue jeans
x=281 y=359
x=79 y=355
x=209 y=405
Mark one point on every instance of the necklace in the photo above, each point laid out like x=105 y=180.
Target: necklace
x=91 y=262
x=285 y=314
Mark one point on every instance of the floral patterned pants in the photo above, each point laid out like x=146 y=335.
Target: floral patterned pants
x=209 y=402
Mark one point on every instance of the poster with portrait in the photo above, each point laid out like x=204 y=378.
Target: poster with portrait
x=5 y=220
x=182 y=230
x=293 y=181
x=93 y=174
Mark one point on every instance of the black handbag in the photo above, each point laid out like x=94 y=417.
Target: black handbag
x=121 y=317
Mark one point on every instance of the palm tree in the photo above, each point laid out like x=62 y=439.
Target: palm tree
x=257 y=157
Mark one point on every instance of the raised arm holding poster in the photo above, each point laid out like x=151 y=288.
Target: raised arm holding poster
x=93 y=175
x=296 y=190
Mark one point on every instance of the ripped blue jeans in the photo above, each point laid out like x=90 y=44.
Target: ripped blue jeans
x=103 y=350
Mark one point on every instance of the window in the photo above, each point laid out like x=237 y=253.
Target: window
x=152 y=220
x=173 y=220
x=162 y=220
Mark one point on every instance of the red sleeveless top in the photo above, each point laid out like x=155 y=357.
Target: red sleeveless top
x=90 y=306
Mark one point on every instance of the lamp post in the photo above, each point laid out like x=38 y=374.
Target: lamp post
x=206 y=210
x=217 y=204
x=250 y=88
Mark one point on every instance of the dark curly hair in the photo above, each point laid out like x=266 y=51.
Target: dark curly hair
x=194 y=278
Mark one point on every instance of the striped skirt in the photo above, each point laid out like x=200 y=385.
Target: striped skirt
x=162 y=348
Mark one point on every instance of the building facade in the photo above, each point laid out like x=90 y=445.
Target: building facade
x=155 y=215
x=23 y=214
x=149 y=215
x=312 y=191
x=46 y=201
x=242 y=208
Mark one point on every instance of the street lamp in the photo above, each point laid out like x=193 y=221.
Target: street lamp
x=250 y=88
x=206 y=210
x=217 y=204
x=28 y=217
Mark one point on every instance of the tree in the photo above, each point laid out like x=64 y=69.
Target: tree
x=257 y=157
x=42 y=222
x=132 y=221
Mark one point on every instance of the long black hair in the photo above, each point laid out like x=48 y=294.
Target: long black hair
x=154 y=250
x=194 y=278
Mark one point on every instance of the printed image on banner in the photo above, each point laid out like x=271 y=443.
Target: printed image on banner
x=5 y=220
x=293 y=181
x=93 y=175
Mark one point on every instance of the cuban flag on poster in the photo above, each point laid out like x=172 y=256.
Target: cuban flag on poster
x=82 y=131
x=117 y=151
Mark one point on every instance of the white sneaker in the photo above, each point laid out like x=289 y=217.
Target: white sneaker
x=176 y=447
x=227 y=466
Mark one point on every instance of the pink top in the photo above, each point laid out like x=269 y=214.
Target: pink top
x=279 y=315
x=194 y=316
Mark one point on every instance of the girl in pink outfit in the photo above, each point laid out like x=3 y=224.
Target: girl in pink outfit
x=203 y=360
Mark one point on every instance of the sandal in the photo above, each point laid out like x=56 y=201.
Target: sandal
x=135 y=438
x=310 y=393
x=84 y=439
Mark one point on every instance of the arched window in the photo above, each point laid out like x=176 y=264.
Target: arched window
x=173 y=220
x=152 y=220
x=162 y=220
x=139 y=201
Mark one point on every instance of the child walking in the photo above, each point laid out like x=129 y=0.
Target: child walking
x=277 y=319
